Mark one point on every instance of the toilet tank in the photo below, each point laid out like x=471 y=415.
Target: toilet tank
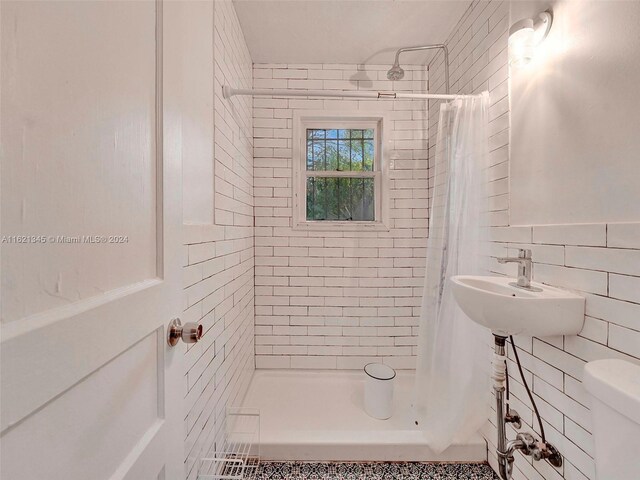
x=614 y=386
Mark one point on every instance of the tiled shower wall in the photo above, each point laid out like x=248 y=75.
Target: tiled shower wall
x=218 y=259
x=337 y=299
x=600 y=261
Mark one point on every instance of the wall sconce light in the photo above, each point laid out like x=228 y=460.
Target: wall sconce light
x=525 y=35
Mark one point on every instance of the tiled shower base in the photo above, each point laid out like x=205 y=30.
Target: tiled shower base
x=372 y=471
x=319 y=416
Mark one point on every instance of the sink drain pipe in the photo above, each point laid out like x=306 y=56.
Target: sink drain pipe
x=525 y=442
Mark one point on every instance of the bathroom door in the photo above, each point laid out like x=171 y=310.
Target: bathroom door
x=91 y=209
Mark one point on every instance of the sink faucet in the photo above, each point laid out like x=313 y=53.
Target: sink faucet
x=524 y=267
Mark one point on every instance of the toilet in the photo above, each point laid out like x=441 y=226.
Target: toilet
x=614 y=387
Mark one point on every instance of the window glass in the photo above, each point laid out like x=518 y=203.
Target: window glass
x=350 y=150
x=340 y=199
x=342 y=196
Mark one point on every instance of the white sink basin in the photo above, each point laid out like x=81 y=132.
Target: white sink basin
x=508 y=310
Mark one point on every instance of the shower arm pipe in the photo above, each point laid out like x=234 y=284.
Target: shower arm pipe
x=440 y=46
x=228 y=92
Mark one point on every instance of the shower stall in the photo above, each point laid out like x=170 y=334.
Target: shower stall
x=430 y=421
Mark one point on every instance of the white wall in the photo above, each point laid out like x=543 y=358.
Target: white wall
x=575 y=117
x=197 y=121
x=338 y=299
x=599 y=260
x=218 y=252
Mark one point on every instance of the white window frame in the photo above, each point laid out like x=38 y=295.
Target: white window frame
x=303 y=120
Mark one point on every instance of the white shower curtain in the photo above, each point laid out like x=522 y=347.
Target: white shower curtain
x=452 y=377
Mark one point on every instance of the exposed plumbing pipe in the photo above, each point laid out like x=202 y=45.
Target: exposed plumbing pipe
x=525 y=442
x=505 y=458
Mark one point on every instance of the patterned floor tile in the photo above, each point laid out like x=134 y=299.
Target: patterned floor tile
x=372 y=471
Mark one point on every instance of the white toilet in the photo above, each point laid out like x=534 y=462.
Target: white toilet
x=614 y=386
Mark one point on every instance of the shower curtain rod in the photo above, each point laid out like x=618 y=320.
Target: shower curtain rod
x=228 y=92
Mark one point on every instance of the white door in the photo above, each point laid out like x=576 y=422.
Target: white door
x=90 y=223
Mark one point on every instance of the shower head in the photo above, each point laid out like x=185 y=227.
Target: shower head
x=396 y=72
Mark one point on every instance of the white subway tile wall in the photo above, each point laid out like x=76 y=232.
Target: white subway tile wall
x=338 y=299
x=600 y=261
x=219 y=259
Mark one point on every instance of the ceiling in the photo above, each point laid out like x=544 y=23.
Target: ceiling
x=344 y=31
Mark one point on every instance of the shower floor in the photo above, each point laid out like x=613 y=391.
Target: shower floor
x=318 y=415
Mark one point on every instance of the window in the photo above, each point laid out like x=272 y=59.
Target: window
x=339 y=175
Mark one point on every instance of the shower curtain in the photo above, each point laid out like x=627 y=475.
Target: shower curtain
x=452 y=376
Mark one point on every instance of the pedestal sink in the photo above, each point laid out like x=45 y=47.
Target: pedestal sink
x=509 y=310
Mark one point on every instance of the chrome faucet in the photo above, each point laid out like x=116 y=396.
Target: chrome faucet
x=524 y=267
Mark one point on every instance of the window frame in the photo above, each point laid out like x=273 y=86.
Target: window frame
x=303 y=120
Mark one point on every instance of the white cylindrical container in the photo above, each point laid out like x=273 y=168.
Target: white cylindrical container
x=378 y=390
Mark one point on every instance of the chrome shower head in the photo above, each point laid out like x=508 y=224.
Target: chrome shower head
x=396 y=72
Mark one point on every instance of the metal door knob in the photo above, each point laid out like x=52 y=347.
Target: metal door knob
x=189 y=332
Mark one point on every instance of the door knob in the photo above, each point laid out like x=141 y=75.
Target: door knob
x=189 y=332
